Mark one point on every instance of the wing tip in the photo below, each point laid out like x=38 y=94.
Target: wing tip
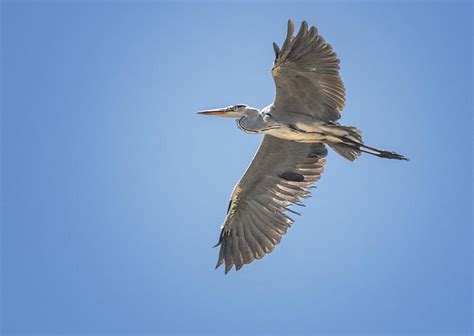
x=219 y=263
x=276 y=49
x=304 y=25
x=313 y=32
x=228 y=267
x=291 y=27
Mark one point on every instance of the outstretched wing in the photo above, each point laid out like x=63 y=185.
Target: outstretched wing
x=306 y=75
x=280 y=174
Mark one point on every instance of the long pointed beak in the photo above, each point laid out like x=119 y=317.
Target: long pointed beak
x=218 y=112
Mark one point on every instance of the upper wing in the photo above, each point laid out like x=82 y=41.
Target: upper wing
x=280 y=173
x=306 y=75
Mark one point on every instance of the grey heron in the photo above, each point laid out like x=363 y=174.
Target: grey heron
x=297 y=127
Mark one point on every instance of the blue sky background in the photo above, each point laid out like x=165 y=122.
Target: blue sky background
x=113 y=190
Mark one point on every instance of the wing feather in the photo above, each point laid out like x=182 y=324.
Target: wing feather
x=229 y=262
x=236 y=250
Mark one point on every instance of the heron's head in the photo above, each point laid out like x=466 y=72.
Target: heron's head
x=234 y=111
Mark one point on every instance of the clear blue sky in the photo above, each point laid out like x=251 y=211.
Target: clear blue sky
x=114 y=190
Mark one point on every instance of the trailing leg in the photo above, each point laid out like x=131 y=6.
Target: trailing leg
x=373 y=151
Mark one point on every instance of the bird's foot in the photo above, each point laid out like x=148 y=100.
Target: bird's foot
x=391 y=155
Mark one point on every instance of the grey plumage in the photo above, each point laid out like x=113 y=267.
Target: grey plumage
x=256 y=220
x=303 y=118
x=306 y=75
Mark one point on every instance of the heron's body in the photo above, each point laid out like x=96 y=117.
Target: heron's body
x=306 y=129
x=297 y=127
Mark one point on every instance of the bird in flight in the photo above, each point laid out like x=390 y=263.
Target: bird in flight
x=297 y=127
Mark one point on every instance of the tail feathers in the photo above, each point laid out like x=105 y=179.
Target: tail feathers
x=349 y=151
x=352 y=133
x=346 y=151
